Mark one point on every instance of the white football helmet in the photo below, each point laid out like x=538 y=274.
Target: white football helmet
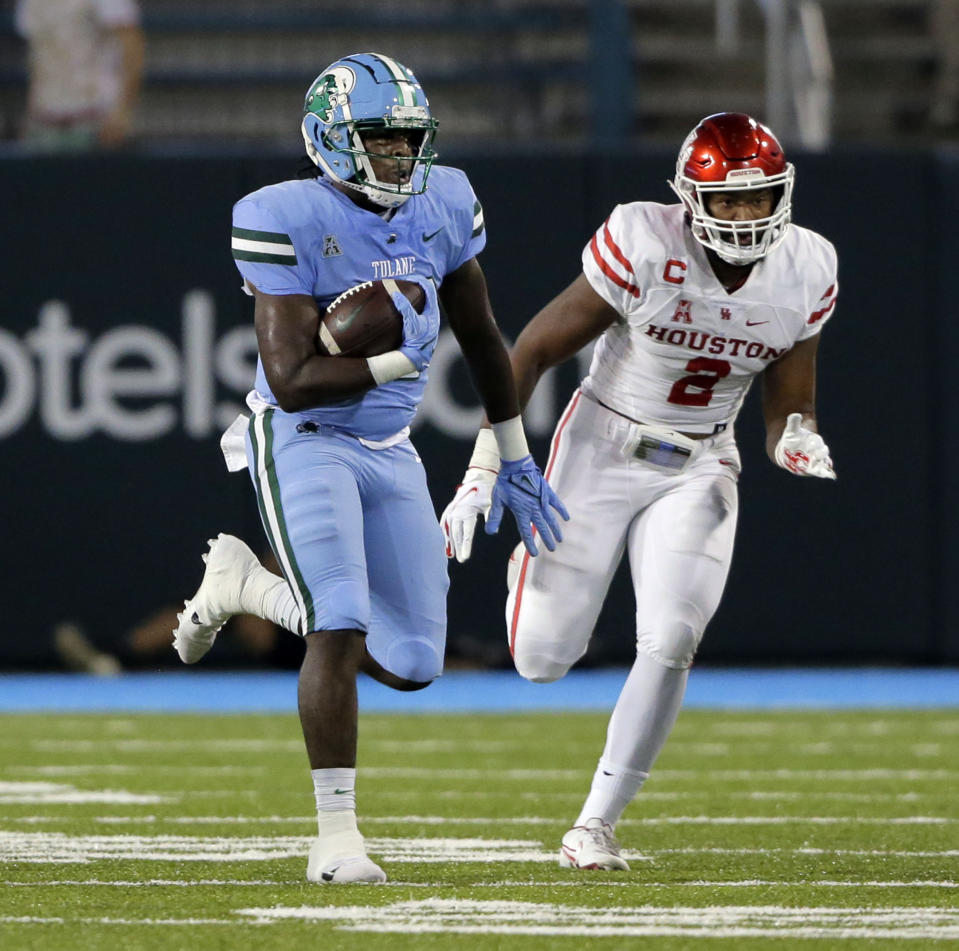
x=731 y=152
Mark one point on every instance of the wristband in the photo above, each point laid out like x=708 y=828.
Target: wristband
x=389 y=366
x=485 y=452
x=511 y=439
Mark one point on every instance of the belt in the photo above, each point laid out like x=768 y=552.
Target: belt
x=696 y=436
x=661 y=448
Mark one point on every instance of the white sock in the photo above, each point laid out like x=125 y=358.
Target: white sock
x=335 y=790
x=638 y=728
x=268 y=596
x=612 y=790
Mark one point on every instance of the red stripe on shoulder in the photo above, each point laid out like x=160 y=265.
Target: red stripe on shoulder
x=614 y=247
x=627 y=286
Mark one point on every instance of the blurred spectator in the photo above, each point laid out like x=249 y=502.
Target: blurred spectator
x=944 y=31
x=85 y=63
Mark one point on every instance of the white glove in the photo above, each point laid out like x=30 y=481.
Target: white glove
x=803 y=452
x=472 y=497
x=459 y=519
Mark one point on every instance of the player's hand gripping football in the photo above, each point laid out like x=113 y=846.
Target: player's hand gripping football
x=472 y=499
x=521 y=488
x=420 y=330
x=802 y=451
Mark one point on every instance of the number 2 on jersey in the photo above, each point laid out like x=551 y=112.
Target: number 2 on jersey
x=696 y=389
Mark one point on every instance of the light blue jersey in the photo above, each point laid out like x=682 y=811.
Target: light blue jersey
x=306 y=237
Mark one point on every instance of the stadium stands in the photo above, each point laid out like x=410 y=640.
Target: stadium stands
x=232 y=71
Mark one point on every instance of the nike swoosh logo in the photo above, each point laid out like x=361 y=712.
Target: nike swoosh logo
x=755 y=323
x=430 y=237
x=339 y=792
x=342 y=321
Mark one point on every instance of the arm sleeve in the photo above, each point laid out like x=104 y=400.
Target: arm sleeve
x=264 y=252
x=607 y=268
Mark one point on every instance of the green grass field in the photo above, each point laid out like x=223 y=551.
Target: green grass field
x=812 y=830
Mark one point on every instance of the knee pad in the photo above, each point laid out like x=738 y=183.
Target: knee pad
x=674 y=640
x=542 y=662
x=415 y=659
x=539 y=670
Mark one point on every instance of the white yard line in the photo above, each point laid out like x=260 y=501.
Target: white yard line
x=150 y=882
x=647 y=796
x=605 y=882
x=59 y=848
x=422 y=772
x=533 y=918
x=46 y=793
x=515 y=918
x=484 y=821
x=893 y=853
x=190 y=922
x=83 y=769
x=166 y=746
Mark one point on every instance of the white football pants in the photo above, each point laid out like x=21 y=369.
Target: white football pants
x=678 y=530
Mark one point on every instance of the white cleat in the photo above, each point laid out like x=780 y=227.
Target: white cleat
x=228 y=564
x=342 y=860
x=591 y=846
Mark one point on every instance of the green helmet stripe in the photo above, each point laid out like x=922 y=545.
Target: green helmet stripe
x=406 y=92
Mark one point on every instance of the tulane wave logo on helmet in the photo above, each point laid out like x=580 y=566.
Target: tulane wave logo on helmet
x=330 y=92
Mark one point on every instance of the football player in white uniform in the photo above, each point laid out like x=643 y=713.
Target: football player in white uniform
x=689 y=302
x=341 y=490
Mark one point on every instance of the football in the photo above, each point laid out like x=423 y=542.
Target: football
x=363 y=321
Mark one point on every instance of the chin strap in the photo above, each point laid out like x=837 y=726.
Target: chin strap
x=388 y=201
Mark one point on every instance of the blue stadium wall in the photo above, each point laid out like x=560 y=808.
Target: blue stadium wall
x=126 y=347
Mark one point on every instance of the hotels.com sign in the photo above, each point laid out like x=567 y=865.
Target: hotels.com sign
x=134 y=383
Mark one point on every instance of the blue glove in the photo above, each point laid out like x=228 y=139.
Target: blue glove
x=419 y=330
x=521 y=488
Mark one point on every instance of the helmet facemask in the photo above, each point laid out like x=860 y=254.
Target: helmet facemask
x=360 y=95
x=738 y=242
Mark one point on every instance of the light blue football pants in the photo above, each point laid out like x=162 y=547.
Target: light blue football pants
x=356 y=535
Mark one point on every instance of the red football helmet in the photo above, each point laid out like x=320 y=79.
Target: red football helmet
x=728 y=152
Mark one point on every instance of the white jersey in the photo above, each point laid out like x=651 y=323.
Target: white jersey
x=685 y=350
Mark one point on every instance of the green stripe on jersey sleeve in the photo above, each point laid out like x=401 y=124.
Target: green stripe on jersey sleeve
x=266 y=247
x=478 y=223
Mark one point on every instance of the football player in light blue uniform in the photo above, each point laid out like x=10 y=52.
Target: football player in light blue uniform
x=341 y=490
